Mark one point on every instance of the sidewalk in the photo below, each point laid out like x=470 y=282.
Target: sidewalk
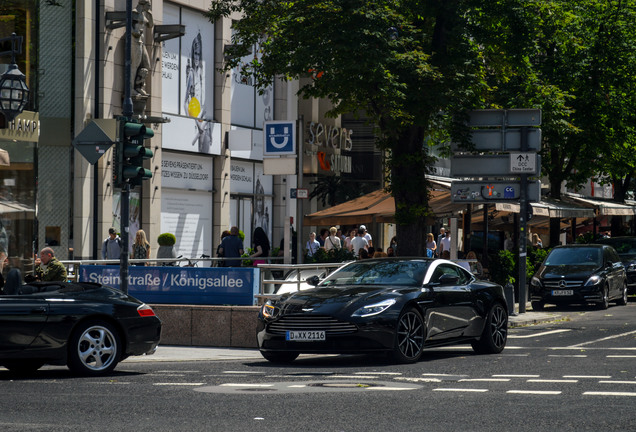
x=171 y=353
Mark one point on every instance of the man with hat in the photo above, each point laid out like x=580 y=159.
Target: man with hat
x=366 y=235
x=111 y=248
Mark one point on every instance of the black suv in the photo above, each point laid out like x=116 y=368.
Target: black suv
x=579 y=274
x=626 y=248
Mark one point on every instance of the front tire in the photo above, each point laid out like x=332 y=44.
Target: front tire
x=94 y=349
x=279 y=357
x=604 y=303
x=409 y=336
x=495 y=334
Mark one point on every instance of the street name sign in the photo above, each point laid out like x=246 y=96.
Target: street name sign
x=492 y=191
x=495 y=165
x=299 y=193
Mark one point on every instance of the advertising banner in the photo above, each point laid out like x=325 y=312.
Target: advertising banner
x=182 y=285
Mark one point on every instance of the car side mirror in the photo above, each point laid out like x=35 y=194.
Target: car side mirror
x=447 y=279
x=314 y=280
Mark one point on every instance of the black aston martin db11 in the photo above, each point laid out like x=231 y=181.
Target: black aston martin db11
x=394 y=305
x=86 y=326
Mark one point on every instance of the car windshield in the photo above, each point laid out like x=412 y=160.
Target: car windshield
x=624 y=246
x=379 y=272
x=575 y=256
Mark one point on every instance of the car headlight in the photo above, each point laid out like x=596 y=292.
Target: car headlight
x=535 y=281
x=374 y=309
x=593 y=280
x=631 y=267
x=269 y=310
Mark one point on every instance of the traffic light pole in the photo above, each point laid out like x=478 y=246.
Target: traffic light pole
x=523 y=226
x=125 y=189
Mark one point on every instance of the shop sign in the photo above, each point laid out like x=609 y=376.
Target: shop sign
x=25 y=127
x=323 y=146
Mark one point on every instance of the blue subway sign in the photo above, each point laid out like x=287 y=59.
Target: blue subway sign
x=280 y=138
x=182 y=285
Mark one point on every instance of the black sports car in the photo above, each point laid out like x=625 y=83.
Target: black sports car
x=585 y=273
x=87 y=326
x=394 y=305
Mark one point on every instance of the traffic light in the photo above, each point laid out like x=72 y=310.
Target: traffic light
x=129 y=159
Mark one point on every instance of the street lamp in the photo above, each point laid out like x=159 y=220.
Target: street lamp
x=14 y=93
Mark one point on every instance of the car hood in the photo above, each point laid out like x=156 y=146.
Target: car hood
x=329 y=300
x=567 y=272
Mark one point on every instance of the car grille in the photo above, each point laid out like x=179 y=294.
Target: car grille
x=568 y=284
x=311 y=322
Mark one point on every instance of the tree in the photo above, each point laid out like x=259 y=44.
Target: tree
x=408 y=65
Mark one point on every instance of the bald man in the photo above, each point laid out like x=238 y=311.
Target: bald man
x=49 y=268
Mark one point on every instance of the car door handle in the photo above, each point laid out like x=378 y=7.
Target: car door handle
x=39 y=310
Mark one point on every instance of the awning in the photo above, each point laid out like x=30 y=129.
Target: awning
x=604 y=208
x=379 y=206
x=14 y=209
x=551 y=208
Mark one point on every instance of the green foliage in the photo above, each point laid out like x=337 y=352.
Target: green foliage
x=586 y=238
x=331 y=256
x=166 y=239
x=247 y=262
x=241 y=235
x=502 y=267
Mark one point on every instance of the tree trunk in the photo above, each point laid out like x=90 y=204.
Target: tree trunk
x=408 y=164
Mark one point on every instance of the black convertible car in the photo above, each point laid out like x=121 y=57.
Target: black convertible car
x=387 y=305
x=88 y=327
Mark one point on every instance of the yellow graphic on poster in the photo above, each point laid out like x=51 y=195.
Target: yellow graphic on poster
x=194 y=107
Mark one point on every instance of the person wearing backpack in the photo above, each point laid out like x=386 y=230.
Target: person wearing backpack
x=111 y=248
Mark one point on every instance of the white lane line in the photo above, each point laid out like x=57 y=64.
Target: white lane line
x=609 y=394
x=616 y=382
x=552 y=381
x=587 y=376
x=178 y=384
x=428 y=380
x=378 y=373
x=353 y=377
x=461 y=390
x=516 y=376
x=485 y=380
x=243 y=372
x=390 y=388
x=297 y=386
x=620 y=356
x=246 y=385
x=602 y=339
x=442 y=375
x=535 y=392
x=545 y=333
x=568 y=355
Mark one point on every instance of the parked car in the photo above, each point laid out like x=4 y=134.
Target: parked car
x=626 y=248
x=579 y=274
x=389 y=305
x=88 y=327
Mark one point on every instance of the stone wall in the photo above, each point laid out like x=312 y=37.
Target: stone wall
x=219 y=326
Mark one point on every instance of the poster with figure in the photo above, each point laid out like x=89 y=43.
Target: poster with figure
x=263 y=188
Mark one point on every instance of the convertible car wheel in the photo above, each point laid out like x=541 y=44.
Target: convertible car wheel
x=279 y=357
x=23 y=367
x=410 y=334
x=94 y=349
x=495 y=334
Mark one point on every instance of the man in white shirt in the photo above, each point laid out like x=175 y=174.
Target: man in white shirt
x=367 y=236
x=359 y=242
x=446 y=243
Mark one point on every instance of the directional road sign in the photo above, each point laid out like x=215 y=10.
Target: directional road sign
x=495 y=165
x=509 y=118
x=501 y=140
x=492 y=191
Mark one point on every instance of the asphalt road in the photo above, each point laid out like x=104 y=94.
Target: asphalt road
x=576 y=374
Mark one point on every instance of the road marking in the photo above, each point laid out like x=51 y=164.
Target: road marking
x=588 y=376
x=461 y=390
x=391 y=388
x=429 y=380
x=602 y=339
x=297 y=386
x=609 y=394
x=379 y=373
x=484 y=380
x=442 y=375
x=535 y=392
x=517 y=376
x=353 y=377
x=617 y=382
x=178 y=384
x=621 y=356
x=551 y=381
x=545 y=333
x=568 y=355
x=244 y=372
x=246 y=385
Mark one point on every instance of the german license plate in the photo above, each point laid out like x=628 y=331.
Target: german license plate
x=562 y=292
x=305 y=335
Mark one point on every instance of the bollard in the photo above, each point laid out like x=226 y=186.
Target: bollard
x=509 y=292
